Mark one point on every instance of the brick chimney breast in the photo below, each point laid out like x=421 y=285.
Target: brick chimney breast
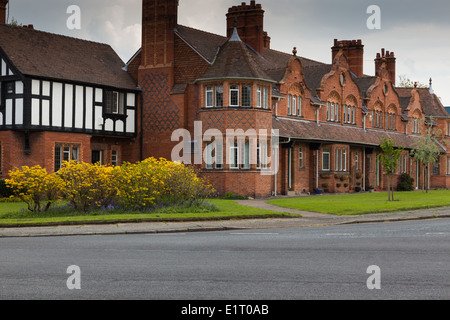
x=353 y=51
x=3 y=4
x=390 y=60
x=249 y=22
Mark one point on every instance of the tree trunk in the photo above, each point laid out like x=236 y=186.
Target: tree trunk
x=389 y=187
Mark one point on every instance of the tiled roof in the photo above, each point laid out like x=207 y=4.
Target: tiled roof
x=271 y=63
x=43 y=54
x=431 y=105
x=237 y=60
x=336 y=133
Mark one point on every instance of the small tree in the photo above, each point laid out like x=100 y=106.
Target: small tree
x=389 y=160
x=427 y=150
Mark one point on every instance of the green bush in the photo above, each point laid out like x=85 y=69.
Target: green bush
x=405 y=183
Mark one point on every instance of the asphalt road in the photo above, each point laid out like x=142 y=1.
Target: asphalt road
x=302 y=263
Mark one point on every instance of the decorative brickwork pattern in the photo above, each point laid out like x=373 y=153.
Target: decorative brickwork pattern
x=160 y=113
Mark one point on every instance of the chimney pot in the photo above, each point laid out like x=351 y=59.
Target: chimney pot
x=353 y=51
x=250 y=25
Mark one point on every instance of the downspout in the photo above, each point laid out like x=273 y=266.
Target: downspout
x=141 y=134
x=364 y=168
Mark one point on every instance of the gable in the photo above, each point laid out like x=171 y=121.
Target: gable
x=46 y=55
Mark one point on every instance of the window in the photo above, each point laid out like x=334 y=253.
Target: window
x=416 y=125
x=219 y=96
x=65 y=153
x=299 y=107
x=435 y=168
x=246 y=96
x=390 y=121
x=340 y=160
x=234 y=96
x=245 y=154
x=336 y=112
x=234 y=156
x=356 y=161
x=114 y=158
x=289 y=104
x=213 y=96
x=294 y=105
x=214 y=158
x=332 y=111
x=448 y=165
x=300 y=159
x=261 y=155
x=209 y=97
x=258 y=97
x=10 y=88
x=326 y=159
x=115 y=102
x=266 y=98
x=448 y=128
x=378 y=119
x=353 y=115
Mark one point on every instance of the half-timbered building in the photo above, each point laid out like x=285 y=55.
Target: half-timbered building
x=63 y=99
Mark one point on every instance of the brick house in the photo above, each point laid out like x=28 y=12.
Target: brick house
x=62 y=99
x=330 y=117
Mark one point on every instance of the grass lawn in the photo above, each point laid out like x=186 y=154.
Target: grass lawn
x=362 y=203
x=11 y=214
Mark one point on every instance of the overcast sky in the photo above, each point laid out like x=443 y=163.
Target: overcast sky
x=417 y=31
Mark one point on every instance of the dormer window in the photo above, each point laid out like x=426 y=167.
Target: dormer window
x=333 y=111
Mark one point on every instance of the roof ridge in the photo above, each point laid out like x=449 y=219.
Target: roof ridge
x=194 y=29
x=21 y=28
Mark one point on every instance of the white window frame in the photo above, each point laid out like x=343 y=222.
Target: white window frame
x=114 y=157
x=234 y=156
x=258 y=97
x=234 y=91
x=266 y=98
x=299 y=106
x=245 y=154
x=209 y=97
x=326 y=151
x=294 y=105
x=289 y=102
x=218 y=92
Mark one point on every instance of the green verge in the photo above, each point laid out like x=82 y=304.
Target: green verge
x=12 y=215
x=364 y=203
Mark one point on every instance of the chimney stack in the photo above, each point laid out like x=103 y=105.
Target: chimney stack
x=3 y=4
x=249 y=22
x=390 y=60
x=353 y=51
x=159 y=19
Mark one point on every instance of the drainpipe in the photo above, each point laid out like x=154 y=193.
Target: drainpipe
x=364 y=169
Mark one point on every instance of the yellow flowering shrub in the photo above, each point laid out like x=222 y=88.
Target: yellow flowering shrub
x=87 y=186
x=158 y=182
x=149 y=184
x=34 y=186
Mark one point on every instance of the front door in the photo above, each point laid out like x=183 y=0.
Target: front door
x=97 y=156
